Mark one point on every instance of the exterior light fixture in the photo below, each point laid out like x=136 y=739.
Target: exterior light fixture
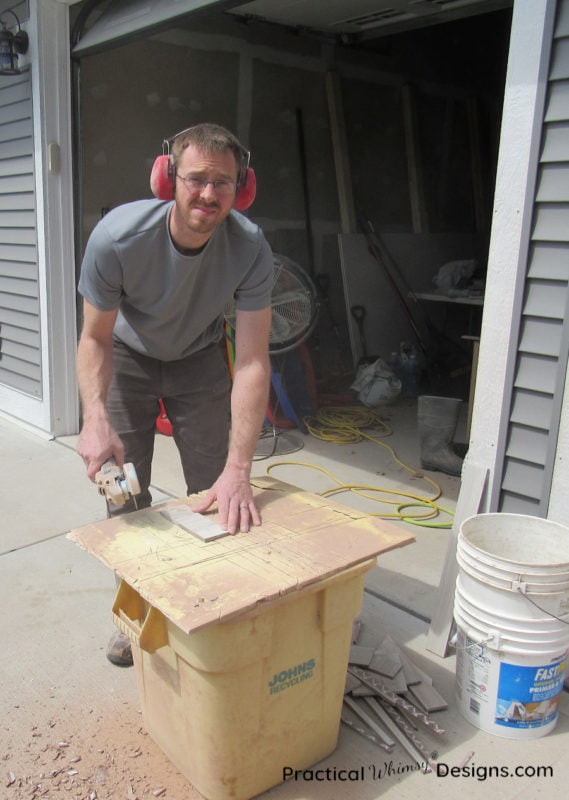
x=11 y=44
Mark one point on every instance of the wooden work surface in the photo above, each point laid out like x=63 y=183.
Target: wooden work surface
x=303 y=539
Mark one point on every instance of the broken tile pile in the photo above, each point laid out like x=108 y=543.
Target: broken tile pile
x=390 y=701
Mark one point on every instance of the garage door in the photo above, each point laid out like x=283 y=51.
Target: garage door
x=356 y=19
x=131 y=18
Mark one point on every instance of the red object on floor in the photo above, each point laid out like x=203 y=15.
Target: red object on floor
x=163 y=424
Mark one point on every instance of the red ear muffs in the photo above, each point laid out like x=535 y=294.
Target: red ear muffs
x=162 y=183
x=247 y=190
x=162 y=178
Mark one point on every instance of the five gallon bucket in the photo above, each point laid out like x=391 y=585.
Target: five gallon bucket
x=512 y=614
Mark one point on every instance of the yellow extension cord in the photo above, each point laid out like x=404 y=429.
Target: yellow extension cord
x=352 y=424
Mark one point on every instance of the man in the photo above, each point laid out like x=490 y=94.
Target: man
x=155 y=279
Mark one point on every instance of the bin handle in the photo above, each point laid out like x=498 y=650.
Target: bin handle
x=141 y=622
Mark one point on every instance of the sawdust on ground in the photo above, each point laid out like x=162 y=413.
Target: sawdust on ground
x=55 y=751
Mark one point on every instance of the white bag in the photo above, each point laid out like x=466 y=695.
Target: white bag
x=454 y=273
x=376 y=384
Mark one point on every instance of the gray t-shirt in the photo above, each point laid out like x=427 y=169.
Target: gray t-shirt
x=170 y=304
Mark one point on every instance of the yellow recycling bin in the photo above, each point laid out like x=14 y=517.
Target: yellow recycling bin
x=241 y=644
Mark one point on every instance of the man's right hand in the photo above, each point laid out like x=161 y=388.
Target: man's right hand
x=98 y=442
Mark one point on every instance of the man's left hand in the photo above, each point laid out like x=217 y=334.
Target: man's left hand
x=232 y=490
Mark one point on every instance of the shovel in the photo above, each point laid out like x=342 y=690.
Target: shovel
x=359 y=314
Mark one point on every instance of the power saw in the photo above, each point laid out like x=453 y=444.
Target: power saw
x=117 y=484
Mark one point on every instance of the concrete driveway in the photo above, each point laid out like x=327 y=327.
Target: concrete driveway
x=71 y=723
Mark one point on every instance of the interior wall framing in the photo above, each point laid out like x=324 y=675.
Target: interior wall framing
x=255 y=84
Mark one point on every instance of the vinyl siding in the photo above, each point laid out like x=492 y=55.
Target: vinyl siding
x=20 y=350
x=542 y=351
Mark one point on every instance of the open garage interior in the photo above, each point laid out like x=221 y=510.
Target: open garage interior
x=374 y=144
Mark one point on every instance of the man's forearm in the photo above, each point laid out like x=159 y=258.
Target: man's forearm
x=94 y=372
x=98 y=440
x=248 y=407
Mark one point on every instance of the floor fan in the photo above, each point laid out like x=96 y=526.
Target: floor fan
x=294 y=303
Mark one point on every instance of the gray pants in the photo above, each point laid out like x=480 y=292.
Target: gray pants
x=195 y=391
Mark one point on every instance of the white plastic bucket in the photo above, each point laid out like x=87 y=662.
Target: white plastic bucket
x=511 y=610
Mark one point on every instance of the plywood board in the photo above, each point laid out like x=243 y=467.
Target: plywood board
x=303 y=540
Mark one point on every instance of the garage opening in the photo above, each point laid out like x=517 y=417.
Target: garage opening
x=375 y=160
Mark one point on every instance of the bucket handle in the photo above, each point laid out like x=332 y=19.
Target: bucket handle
x=522 y=589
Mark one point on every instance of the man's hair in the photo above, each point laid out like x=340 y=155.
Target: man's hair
x=210 y=138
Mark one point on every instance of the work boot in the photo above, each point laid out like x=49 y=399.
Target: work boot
x=119 y=650
x=437 y=420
